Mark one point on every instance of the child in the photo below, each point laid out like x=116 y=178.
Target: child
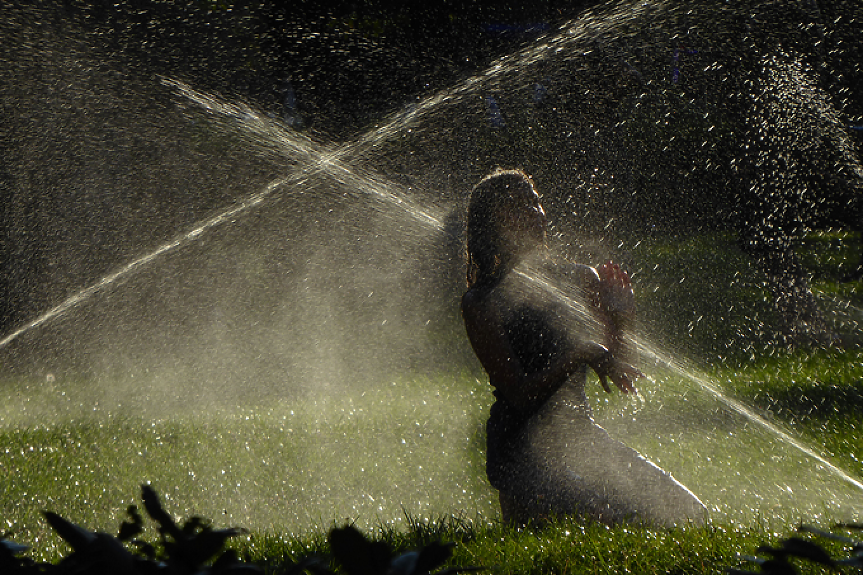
x=535 y=327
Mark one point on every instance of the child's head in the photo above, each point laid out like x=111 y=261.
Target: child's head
x=505 y=219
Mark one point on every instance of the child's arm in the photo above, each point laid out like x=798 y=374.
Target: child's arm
x=617 y=305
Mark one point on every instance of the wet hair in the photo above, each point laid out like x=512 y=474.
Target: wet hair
x=498 y=190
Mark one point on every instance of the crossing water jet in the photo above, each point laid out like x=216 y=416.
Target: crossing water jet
x=677 y=366
x=353 y=170
x=311 y=161
x=107 y=281
x=810 y=483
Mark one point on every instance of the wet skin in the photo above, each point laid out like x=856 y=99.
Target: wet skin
x=523 y=229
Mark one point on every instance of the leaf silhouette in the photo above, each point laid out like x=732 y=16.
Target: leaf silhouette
x=12 y=547
x=806 y=550
x=128 y=530
x=357 y=555
x=199 y=548
x=155 y=511
x=433 y=556
x=77 y=537
x=229 y=564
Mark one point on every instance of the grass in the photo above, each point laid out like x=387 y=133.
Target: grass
x=563 y=547
x=371 y=457
x=289 y=472
x=404 y=460
x=705 y=295
x=819 y=393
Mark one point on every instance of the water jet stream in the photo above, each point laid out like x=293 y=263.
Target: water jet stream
x=312 y=160
x=315 y=159
x=676 y=366
x=583 y=316
x=588 y=26
x=138 y=263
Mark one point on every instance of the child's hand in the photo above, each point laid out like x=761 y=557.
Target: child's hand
x=622 y=374
x=615 y=289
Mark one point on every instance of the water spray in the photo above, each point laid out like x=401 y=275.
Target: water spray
x=711 y=387
x=645 y=348
x=142 y=261
x=312 y=160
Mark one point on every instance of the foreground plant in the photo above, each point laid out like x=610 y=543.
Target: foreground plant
x=182 y=550
x=359 y=556
x=188 y=550
x=780 y=561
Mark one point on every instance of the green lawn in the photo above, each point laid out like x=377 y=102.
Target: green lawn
x=409 y=448
x=564 y=547
x=404 y=460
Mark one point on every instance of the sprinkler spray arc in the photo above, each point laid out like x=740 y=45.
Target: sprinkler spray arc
x=314 y=160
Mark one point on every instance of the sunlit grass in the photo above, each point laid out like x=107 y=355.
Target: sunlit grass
x=818 y=393
x=405 y=459
x=831 y=255
x=398 y=460
x=409 y=447
x=702 y=296
x=563 y=547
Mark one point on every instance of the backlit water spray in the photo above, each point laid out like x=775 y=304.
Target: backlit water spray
x=649 y=351
x=284 y=287
x=85 y=294
x=312 y=161
x=584 y=322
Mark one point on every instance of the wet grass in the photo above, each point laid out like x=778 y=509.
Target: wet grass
x=372 y=456
x=817 y=393
x=702 y=294
x=709 y=298
x=292 y=471
x=832 y=257
x=563 y=547
x=405 y=460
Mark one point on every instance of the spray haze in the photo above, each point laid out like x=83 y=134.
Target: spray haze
x=226 y=282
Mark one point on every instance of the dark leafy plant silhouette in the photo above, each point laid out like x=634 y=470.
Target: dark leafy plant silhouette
x=359 y=556
x=185 y=549
x=10 y=562
x=188 y=549
x=796 y=548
